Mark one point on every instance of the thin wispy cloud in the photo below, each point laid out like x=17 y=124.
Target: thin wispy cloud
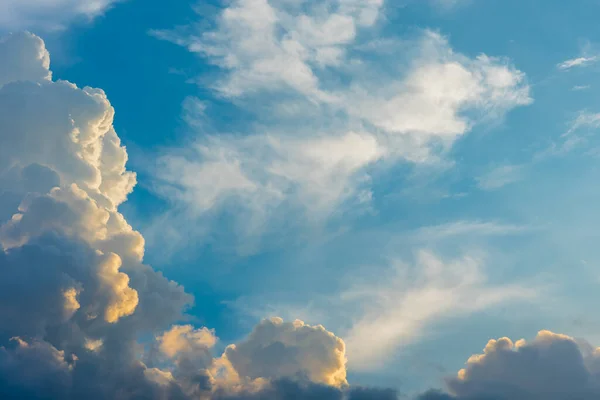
x=501 y=176
x=578 y=62
x=396 y=312
x=49 y=15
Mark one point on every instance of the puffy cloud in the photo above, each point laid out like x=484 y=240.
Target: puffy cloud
x=48 y=14
x=24 y=57
x=78 y=305
x=34 y=370
x=72 y=282
x=551 y=367
x=184 y=339
x=279 y=44
x=277 y=349
x=443 y=94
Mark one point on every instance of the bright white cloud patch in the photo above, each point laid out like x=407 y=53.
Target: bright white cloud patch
x=48 y=14
x=273 y=44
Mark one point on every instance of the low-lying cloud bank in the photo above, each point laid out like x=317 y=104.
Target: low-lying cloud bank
x=84 y=317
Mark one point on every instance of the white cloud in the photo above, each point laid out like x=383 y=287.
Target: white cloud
x=17 y=52
x=396 y=311
x=270 y=45
x=462 y=228
x=261 y=179
x=577 y=62
x=48 y=14
x=500 y=176
x=584 y=120
x=581 y=130
x=442 y=95
x=317 y=139
x=578 y=88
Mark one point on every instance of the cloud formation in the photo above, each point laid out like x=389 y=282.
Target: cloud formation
x=551 y=367
x=331 y=107
x=277 y=349
x=395 y=311
x=82 y=316
x=48 y=15
x=577 y=62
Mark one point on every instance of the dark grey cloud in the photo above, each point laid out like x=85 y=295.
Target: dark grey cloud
x=551 y=367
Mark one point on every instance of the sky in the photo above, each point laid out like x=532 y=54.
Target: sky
x=299 y=199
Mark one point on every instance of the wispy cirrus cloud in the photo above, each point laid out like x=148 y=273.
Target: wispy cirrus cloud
x=396 y=311
x=48 y=15
x=577 y=62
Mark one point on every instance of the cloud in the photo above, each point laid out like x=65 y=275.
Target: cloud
x=442 y=95
x=395 y=311
x=581 y=130
x=551 y=367
x=261 y=174
x=578 y=88
x=73 y=285
x=462 y=228
x=500 y=176
x=82 y=315
x=277 y=349
x=322 y=127
x=48 y=15
x=269 y=45
x=577 y=62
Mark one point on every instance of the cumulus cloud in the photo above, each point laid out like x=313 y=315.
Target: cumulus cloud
x=551 y=367
x=73 y=285
x=82 y=316
x=277 y=349
x=48 y=14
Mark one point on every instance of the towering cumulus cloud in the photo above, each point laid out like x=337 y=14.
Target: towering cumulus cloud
x=75 y=297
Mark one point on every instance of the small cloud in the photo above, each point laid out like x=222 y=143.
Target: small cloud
x=578 y=88
x=462 y=228
x=500 y=177
x=577 y=62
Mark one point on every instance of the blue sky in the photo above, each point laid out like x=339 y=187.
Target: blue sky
x=418 y=176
